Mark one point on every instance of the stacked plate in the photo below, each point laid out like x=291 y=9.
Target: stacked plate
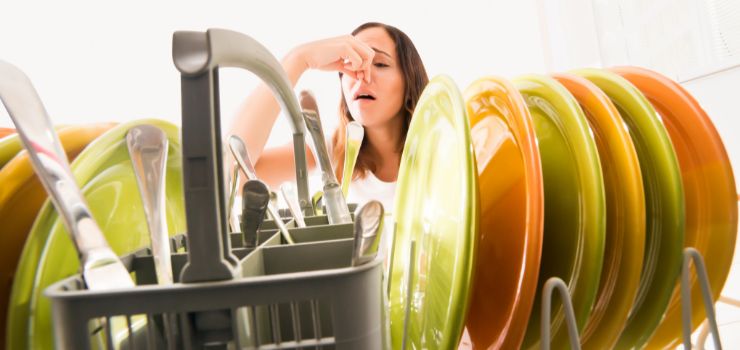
x=37 y=250
x=22 y=195
x=598 y=177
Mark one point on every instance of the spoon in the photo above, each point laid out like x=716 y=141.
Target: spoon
x=147 y=148
x=233 y=212
x=101 y=268
x=368 y=229
x=336 y=205
x=355 y=134
x=291 y=197
x=239 y=151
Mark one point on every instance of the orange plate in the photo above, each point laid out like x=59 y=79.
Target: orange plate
x=6 y=131
x=512 y=214
x=625 y=214
x=709 y=190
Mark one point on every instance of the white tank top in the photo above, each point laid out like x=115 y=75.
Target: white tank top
x=363 y=190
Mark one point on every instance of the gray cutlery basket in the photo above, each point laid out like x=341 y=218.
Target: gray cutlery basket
x=295 y=296
x=227 y=296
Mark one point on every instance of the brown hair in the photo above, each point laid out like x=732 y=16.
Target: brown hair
x=415 y=78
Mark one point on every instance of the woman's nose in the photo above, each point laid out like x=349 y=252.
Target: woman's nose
x=361 y=79
x=359 y=82
x=365 y=76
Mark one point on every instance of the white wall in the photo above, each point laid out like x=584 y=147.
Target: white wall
x=111 y=61
x=569 y=34
x=583 y=33
x=718 y=95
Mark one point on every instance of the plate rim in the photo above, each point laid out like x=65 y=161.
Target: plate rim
x=627 y=97
x=651 y=81
x=523 y=132
x=625 y=174
x=587 y=166
x=443 y=84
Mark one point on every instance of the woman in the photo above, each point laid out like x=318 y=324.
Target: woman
x=382 y=77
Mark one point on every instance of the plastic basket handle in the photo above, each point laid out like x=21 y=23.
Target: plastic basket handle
x=198 y=55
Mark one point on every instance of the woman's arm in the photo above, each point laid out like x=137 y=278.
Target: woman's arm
x=254 y=122
x=260 y=110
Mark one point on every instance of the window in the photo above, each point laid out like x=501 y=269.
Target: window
x=684 y=39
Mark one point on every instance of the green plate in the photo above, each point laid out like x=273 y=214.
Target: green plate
x=575 y=209
x=664 y=203
x=21 y=197
x=437 y=207
x=108 y=182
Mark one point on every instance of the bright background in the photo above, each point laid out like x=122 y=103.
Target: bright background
x=98 y=61
x=102 y=61
x=111 y=61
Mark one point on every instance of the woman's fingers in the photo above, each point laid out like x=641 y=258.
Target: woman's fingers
x=367 y=54
x=352 y=59
x=346 y=54
x=349 y=72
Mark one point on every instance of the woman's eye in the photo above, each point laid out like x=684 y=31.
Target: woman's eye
x=380 y=65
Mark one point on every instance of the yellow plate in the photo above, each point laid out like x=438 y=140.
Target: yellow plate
x=664 y=205
x=575 y=210
x=625 y=215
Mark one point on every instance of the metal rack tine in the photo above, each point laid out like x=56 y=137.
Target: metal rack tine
x=690 y=254
x=316 y=320
x=170 y=330
x=570 y=318
x=390 y=253
x=108 y=333
x=275 y=320
x=704 y=333
x=130 y=338
x=151 y=331
x=409 y=290
x=240 y=327
x=295 y=314
x=253 y=325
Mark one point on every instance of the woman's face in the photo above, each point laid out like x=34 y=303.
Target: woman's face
x=379 y=101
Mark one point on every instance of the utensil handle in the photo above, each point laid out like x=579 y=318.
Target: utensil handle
x=233 y=216
x=290 y=199
x=147 y=146
x=313 y=124
x=336 y=204
x=50 y=163
x=255 y=199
